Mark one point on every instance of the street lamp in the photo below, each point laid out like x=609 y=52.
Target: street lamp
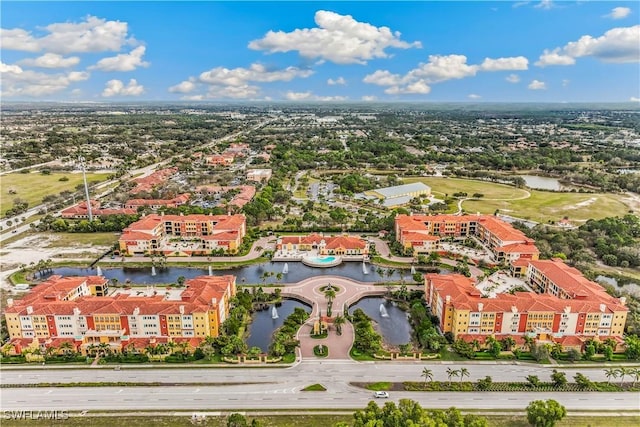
x=86 y=188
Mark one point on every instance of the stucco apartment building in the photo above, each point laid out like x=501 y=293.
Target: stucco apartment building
x=65 y=309
x=568 y=310
x=158 y=203
x=324 y=245
x=149 y=182
x=81 y=211
x=423 y=233
x=162 y=234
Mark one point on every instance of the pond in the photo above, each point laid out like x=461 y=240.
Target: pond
x=250 y=274
x=393 y=323
x=632 y=288
x=263 y=325
x=543 y=183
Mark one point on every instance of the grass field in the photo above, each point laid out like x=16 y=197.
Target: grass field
x=541 y=206
x=32 y=187
x=310 y=420
x=442 y=186
x=544 y=206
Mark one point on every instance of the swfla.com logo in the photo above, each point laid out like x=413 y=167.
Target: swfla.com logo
x=36 y=415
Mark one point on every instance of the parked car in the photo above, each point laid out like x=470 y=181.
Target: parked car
x=381 y=395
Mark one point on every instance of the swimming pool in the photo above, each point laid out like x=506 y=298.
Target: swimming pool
x=321 y=261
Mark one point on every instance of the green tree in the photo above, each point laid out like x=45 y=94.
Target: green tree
x=582 y=381
x=452 y=373
x=237 y=420
x=542 y=413
x=464 y=372
x=611 y=373
x=427 y=374
x=533 y=380
x=338 y=322
x=558 y=378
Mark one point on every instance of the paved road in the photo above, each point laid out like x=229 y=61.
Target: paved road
x=331 y=372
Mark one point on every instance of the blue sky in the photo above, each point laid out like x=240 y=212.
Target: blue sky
x=479 y=51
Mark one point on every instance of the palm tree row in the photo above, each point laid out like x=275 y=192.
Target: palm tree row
x=622 y=372
x=427 y=374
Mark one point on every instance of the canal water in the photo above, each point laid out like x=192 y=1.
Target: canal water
x=251 y=274
x=264 y=325
x=393 y=323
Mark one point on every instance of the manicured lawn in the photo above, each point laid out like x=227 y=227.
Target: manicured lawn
x=32 y=187
x=315 y=387
x=442 y=186
x=545 y=206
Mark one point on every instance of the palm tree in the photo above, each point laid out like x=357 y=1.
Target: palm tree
x=452 y=373
x=339 y=321
x=330 y=294
x=610 y=373
x=622 y=372
x=279 y=277
x=66 y=347
x=464 y=372
x=635 y=373
x=380 y=272
x=427 y=374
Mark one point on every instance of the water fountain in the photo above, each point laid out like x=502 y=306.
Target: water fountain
x=210 y=271
x=153 y=270
x=413 y=270
x=285 y=269
x=383 y=311
x=364 y=268
x=274 y=312
x=98 y=271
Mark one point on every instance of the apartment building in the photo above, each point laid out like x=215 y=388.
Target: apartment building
x=158 y=203
x=81 y=211
x=462 y=311
x=423 y=233
x=65 y=308
x=324 y=245
x=183 y=235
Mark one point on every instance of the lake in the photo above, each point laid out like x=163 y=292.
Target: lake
x=263 y=324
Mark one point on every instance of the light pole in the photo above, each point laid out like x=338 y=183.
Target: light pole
x=86 y=188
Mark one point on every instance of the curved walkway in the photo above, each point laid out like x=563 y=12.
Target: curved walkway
x=348 y=292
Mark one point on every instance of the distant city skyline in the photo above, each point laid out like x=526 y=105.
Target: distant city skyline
x=379 y=51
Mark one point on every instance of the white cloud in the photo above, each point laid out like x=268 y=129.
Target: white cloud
x=193 y=98
x=554 y=57
x=537 y=85
x=298 y=96
x=237 y=82
x=183 y=87
x=565 y=82
x=91 y=35
x=122 y=62
x=634 y=99
x=440 y=68
x=236 y=92
x=505 y=64
x=618 y=45
x=337 y=38
x=383 y=78
x=419 y=87
x=51 y=60
x=513 y=78
x=19 y=82
x=338 y=81
x=118 y=88
x=474 y=96
x=619 y=13
x=520 y=4
x=336 y=98
x=369 y=98
x=255 y=73
x=545 y=4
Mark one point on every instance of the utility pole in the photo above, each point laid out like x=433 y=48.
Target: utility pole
x=86 y=188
